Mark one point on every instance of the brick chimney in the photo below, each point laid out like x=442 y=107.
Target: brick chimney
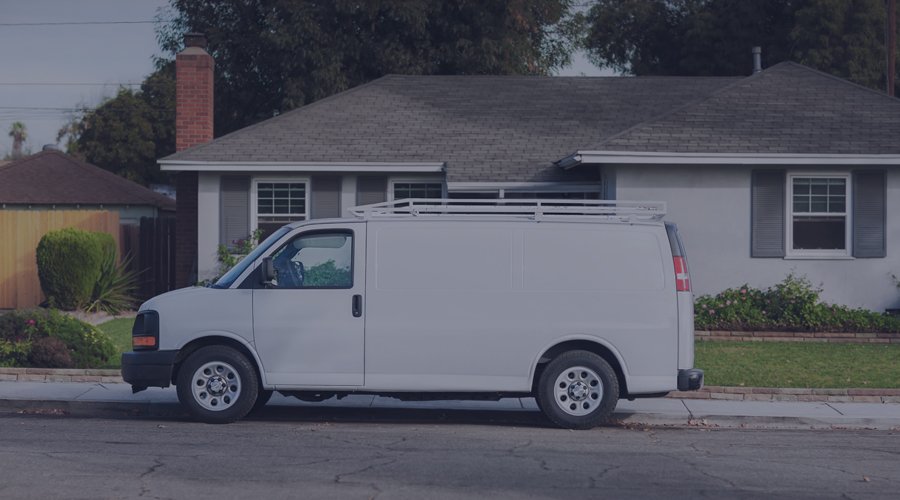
x=193 y=125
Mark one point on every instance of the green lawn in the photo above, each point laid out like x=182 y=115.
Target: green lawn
x=119 y=330
x=799 y=364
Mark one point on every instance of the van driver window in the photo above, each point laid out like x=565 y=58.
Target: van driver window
x=320 y=260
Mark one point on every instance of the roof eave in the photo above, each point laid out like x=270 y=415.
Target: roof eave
x=348 y=167
x=669 y=158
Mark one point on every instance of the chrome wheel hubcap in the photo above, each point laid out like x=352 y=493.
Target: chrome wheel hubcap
x=578 y=391
x=216 y=386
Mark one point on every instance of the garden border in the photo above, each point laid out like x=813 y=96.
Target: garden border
x=770 y=336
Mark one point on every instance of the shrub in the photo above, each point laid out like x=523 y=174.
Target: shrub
x=792 y=305
x=229 y=257
x=116 y=286
x=68 y=262
x=24 y=334
x=49 y=352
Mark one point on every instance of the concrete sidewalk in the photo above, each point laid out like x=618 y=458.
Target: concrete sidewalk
x=116 y=400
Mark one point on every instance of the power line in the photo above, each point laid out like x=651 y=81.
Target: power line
x=97 y=84
x=39 y=108
x=83 y=23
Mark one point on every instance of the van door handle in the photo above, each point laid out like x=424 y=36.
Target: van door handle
x=357 y=306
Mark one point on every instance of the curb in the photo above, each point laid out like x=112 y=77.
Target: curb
x=90 y=409
x=113 y=410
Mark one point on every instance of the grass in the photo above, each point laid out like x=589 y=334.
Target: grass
x=119 y=331
x=799 y=364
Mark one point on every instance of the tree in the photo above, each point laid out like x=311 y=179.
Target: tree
x=714 y=37
x=126 y=134
x=275 y=55
x=18 y=133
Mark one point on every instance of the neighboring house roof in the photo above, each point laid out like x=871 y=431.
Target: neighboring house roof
x=486 y=128
x=512 y=128
x=54 y=178
x=788 y=108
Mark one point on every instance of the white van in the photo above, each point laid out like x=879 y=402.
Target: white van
x=577 y=303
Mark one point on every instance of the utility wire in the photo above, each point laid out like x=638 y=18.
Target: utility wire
x=120 y=84
x=82 y=23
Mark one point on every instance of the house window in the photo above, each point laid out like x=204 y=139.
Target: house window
x=403 y=190
x=279 y=203
x=818 y=220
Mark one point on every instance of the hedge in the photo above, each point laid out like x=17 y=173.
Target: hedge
x=68 y=262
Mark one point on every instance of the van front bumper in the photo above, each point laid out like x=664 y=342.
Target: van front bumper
x=143 y=369
x=690 y=379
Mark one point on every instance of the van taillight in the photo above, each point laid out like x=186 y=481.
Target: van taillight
x=682 y=279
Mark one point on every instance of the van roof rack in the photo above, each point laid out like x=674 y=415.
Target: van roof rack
x=532 y=209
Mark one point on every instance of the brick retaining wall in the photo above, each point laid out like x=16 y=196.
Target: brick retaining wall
x=59 y=375
x=839 y=338
x=792 y=394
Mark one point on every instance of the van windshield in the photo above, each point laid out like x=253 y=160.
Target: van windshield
x=228 y=278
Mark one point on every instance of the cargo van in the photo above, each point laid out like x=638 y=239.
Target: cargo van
x=576 y=303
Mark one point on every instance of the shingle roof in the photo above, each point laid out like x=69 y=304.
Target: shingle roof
x=788 y=108
x=486 y=128
x=53 y=178
x=512 y=128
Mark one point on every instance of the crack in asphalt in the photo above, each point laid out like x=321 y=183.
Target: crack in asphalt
x=835 y=409
x=339 y=478
x=145 y=489
x=690 y=413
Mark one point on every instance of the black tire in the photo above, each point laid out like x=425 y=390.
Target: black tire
x=217 y=385
x=578 y=390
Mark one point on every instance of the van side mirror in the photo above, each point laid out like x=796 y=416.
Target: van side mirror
x=268 y=271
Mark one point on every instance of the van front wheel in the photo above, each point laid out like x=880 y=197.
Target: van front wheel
x=578 y=390
x=217 y=385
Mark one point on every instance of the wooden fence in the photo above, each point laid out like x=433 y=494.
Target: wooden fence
x=20 y=232
x=151 y=246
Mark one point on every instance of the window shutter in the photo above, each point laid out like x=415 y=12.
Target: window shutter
x=869 y=213
x=326 y=196
x=371 y=189
x=767 y=213
x=235 y=209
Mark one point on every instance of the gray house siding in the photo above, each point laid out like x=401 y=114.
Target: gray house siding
x=325 y=201
x=235 y=209
x=712 y=207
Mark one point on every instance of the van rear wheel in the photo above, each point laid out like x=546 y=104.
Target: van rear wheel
x=578 y=390
x=217 y=385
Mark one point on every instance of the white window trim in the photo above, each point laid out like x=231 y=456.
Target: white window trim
x=415 y=180
x=790 y=253
x=254 y=188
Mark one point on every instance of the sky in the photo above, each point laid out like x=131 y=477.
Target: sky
x=102 y=56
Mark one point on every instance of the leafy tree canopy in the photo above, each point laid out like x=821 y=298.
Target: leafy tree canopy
x=713 y=37
x=275 y=55
x=127 y=133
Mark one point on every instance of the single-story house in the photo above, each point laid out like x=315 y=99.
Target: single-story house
x=52 y=180
x=789 y=170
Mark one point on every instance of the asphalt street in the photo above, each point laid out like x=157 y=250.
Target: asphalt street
x=441 y=455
